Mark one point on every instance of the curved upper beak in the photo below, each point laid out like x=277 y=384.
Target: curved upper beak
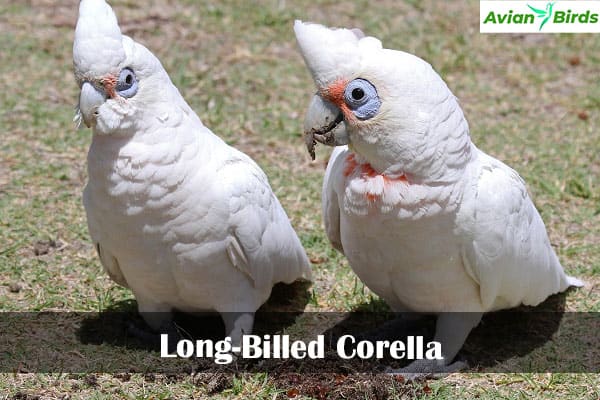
x=90 y=99
x=324 y=123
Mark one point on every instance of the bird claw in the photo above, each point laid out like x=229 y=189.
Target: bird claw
x=151 y=338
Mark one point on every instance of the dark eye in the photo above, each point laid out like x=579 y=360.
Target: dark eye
x=361 y=97
x=358 y=94
x=127 y=85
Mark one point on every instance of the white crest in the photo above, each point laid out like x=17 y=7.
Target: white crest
x=98 y=48
x=332 y=53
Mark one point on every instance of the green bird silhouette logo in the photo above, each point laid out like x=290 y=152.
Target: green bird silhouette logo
x=545 y=14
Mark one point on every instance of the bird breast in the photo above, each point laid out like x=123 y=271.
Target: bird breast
x=367 y=192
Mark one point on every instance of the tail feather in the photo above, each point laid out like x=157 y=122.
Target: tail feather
x=572 y=281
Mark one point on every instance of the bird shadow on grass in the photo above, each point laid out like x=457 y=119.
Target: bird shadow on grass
x=113 y=326
x=522 y=339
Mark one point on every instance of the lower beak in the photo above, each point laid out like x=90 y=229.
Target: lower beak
x=90 y=99
x=324 y=123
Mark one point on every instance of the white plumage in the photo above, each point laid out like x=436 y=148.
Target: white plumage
x=428 y=221
x=178 y=216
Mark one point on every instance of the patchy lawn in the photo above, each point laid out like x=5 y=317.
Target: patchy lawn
x=532 y=101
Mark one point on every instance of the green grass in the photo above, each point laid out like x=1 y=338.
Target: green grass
x=532 y=101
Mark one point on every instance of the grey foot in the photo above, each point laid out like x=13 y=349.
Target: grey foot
x=238 y=324
x=151 y=338
x=422 y=369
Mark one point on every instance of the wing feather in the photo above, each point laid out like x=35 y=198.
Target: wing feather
x=111 y=265
x=510 y=254
x=263 y=244
x=330 y=204
x=540 y=13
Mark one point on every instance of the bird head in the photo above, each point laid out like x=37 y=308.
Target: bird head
x=118 y=77
x=390 y=107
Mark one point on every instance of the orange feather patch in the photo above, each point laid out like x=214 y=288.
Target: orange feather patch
x=335 y=94
x=109 y=82
x=366 y=171
x=351 y=165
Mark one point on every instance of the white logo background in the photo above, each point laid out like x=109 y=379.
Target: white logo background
x=520 y=7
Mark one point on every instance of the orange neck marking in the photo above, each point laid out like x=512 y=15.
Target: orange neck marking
x=367 y=171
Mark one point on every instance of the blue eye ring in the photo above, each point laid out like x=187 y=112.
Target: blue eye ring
x=361 y=97
x=127 y=85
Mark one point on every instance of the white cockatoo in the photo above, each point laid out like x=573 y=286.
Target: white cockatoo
x=178 y=216
x=426 y=220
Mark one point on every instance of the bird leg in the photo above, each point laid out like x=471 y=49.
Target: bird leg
x=237 y=324
x=451 y=331
x=159 y=318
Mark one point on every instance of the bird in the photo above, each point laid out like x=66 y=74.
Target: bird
x=178 y=216
x=429 y=222
x=545 y=14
